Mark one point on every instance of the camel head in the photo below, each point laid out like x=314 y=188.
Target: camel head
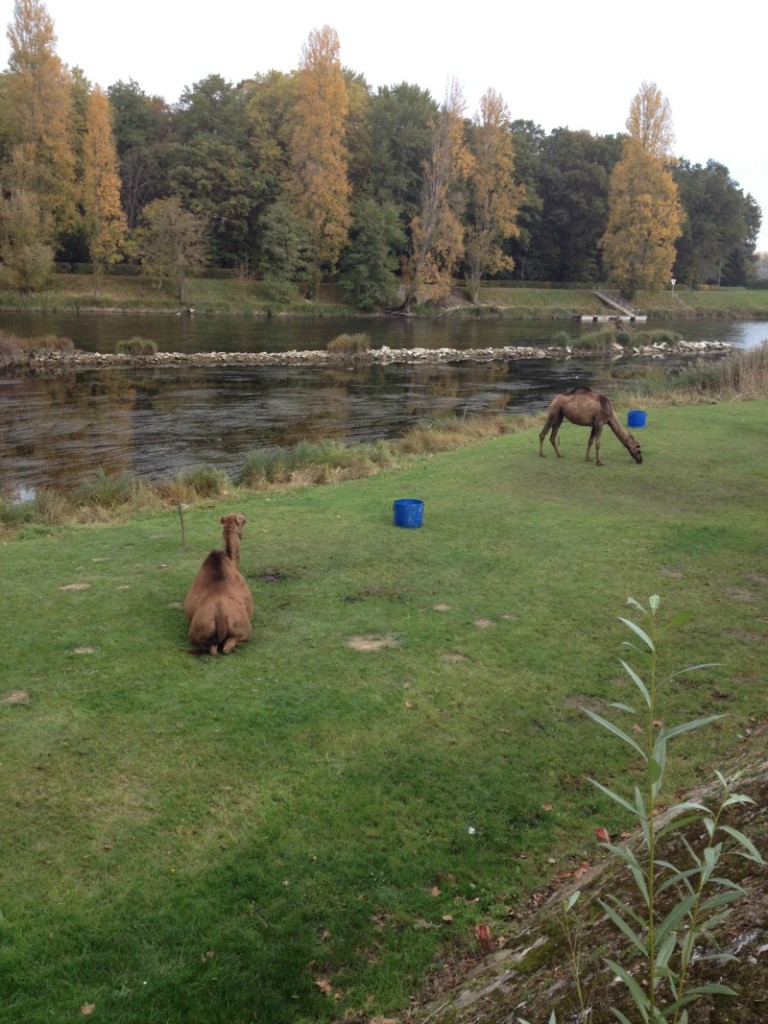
x=634 y=449
x=234 y=521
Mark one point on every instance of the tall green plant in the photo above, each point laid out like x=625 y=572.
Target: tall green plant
x=680 y=905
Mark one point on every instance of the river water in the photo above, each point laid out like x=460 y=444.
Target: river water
x=157 y=422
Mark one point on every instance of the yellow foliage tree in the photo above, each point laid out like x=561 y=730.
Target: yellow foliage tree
x=319 y=180
x=40 y=106
x=645 y=215
x=105 y=222
x=437 y=235
x=494 y=195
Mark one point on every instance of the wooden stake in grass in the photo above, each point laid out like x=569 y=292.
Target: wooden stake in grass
x=182 y=507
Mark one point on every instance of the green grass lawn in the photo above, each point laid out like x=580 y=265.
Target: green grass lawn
x=245 y=296
x=283 y=835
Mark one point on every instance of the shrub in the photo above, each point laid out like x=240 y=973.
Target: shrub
x=205 y=481
x=10 y=349
x=136 y=347
x=349 y=344
x=106 y=491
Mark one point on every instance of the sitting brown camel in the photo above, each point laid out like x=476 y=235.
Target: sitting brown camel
x=586 y=408
x=219 y=604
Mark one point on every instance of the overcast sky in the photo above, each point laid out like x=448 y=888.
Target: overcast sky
x=560 y=63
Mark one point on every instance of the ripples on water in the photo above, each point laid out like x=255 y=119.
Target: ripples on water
x=158 y=422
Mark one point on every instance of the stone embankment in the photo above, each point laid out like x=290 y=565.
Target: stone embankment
x=47 y=361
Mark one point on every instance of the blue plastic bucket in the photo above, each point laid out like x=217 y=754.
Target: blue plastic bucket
x=636 y=418
x=409 y=512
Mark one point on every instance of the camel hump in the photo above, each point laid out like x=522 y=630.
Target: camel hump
x=216 y=565
x=605 y=405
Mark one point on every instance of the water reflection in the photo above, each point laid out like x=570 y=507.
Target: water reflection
x=158 y=422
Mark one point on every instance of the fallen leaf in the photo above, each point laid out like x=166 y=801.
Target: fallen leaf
x=324 y=985
x=582 y=869
x=602 y=834
x=422 y=925
x=547 y=807
x=87 y=1009
x=448 y=918
x=435 y=891
x=637 y=728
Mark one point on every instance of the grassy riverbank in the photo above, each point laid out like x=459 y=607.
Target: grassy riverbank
x=242 y=296
x=292 y=833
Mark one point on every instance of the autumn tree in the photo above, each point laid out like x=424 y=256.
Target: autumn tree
x=494 y=196
x=170 y=242
x=105 y=222
x=25 y=231
x=40 y=106
x=319 y=188
x=645 y=215
x=437 y=234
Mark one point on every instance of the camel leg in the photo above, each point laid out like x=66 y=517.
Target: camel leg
x=554 y=420
x=594 y=437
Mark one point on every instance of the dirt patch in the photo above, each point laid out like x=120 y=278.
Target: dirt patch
x=484 y=623
x=372 y=642
x=452 y=657
x=76 y=586
x=441 y=607
x=272 y=576
x=741 y=595
x=16 y=697
x=84 y=650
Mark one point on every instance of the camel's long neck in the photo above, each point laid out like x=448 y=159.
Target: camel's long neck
x=232 y=545
x=620 y=432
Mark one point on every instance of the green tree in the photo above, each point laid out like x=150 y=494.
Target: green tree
x=720 y=228
x=319 y=183
x=39 y=91
x=170 y=242
x=369 y=265
x=401 y=124
x=210 y=169
x=285 y=251
x=529 y=140
x=105 y=222
x=572 y=182
x=140 y=126
x=645 y=216
x=437 y=235
x=494 y=195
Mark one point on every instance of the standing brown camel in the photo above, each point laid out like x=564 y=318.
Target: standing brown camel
x=586 y=408
x=219 y=604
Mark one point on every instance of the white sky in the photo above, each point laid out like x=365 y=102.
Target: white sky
x=560 y=63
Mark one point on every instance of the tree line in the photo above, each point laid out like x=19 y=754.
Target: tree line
x=304 y=176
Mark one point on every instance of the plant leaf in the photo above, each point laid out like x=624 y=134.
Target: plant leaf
x=616 y=731
x=638 y=632
x=752 y=853
x=698 y=723
x=637 y=681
